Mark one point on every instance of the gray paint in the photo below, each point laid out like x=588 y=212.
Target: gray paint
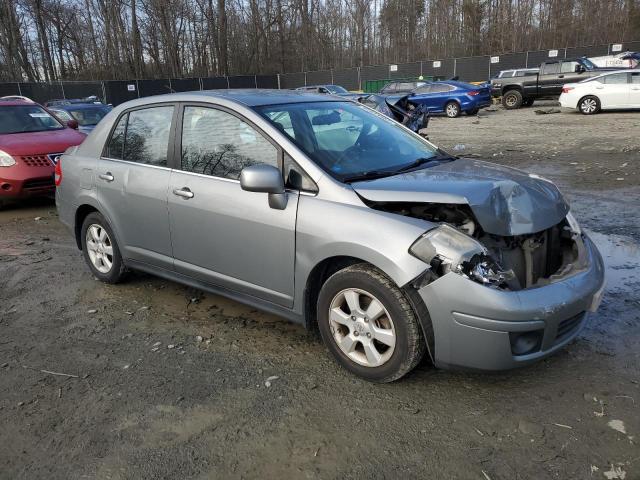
x=504 y=200
x=229 y=241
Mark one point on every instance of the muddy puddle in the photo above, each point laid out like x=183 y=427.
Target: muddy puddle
x=621 y=256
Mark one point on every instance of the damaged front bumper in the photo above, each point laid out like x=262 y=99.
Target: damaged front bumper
x=478 y=327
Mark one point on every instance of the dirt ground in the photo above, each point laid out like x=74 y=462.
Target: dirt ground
x=163 y=381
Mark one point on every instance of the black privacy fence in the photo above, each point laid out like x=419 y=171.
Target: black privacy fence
x=367 y=78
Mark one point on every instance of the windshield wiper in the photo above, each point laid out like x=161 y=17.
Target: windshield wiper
x=370 y=175
x=418 y=162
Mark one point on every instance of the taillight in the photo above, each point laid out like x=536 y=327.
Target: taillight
x=566 y=89
x=58 y=172
x=473 y=93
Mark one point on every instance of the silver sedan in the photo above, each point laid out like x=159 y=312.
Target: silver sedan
x=327 y=213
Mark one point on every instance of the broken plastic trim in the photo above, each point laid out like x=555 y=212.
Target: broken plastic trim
x=446 y=249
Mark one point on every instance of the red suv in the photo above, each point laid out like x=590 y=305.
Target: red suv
x=31 y=140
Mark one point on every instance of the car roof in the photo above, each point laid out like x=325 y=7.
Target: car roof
x=77 y=106
x=16 y=103
x=250 y=97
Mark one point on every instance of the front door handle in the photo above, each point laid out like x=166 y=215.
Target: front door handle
x=107 y=177
x=560 y=76
x=183 y=192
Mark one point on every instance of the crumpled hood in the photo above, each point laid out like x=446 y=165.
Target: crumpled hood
x=505 y=201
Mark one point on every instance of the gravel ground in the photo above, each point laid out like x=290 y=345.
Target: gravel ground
x=162 y=381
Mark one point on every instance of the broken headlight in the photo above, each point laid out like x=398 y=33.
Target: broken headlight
x=573 y=224
x=447 y=249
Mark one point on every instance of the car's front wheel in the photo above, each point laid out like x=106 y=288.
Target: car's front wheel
x=452 y=109
x=369 y=325
x=101 y=250
x=589 y=105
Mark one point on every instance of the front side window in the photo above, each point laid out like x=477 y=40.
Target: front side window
x=218 y=143
x=26 y=118
x=146 y=138
x=616 y=79
x=635 y=77
x=350 y=141
x=550 y=68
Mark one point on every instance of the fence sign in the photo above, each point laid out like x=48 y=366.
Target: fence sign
x=131 y=87
x=616 y=47
x=437 y=64
x=553 y=53
x=393 y=68
x=495 y=59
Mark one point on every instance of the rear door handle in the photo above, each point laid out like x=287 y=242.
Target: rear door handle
x=107 y=177
x=183 y=192
x=560 y=76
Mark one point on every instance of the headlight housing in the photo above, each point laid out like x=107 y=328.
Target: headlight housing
x=447 y=249
x=573 y=224
x=6 y=160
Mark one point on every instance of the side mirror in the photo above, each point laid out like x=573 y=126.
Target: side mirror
x=579 y=68
x=72 y=124
x=267 y=179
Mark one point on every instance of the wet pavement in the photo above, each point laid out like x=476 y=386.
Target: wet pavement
x=150 y=379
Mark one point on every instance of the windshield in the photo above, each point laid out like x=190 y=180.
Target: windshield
x=26 y=118
x=336 y=89
x=348 y=140
x=88 y=116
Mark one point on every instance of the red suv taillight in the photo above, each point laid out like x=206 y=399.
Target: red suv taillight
x=473 y=93
x=566 y=89
x=58 y=172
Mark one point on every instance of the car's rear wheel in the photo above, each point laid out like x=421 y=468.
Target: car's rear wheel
x=101 y=250
x=512 y=99
x=452 y=109
x=368 y=324
x=589 y=105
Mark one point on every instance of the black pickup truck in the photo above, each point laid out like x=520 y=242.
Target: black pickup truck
x=517 y=92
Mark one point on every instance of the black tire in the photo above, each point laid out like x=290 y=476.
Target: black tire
x=117 y=271
x=589 y=105
x=473 y=112
x=527 y=102
x=452 y=109
x=409 y=346
x=512 y=99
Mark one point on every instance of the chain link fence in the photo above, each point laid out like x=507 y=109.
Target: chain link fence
x=469 y=69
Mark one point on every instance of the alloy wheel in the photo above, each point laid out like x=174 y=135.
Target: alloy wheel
x=99 y=248
x=362 y=328
x=589 y=105
x=452 y=110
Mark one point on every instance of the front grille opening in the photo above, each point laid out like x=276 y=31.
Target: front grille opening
x=567 y=327
x=39 y=183
x=36 y=160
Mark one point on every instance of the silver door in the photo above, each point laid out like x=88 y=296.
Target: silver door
x=132 y=187
x=220 y=233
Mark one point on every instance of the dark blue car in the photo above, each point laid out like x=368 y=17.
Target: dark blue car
x=87 y=114
x=452 y=97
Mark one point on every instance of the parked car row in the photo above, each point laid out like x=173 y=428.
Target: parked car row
x=579 y=82
x=33 y=137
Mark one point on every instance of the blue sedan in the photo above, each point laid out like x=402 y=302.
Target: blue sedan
x=452 y=97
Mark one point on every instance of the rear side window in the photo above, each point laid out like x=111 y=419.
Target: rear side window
x=219 y=144
x=441 y=88
x=147 y=135
x=115 y=145
x=616 y=78
x=142 y=136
